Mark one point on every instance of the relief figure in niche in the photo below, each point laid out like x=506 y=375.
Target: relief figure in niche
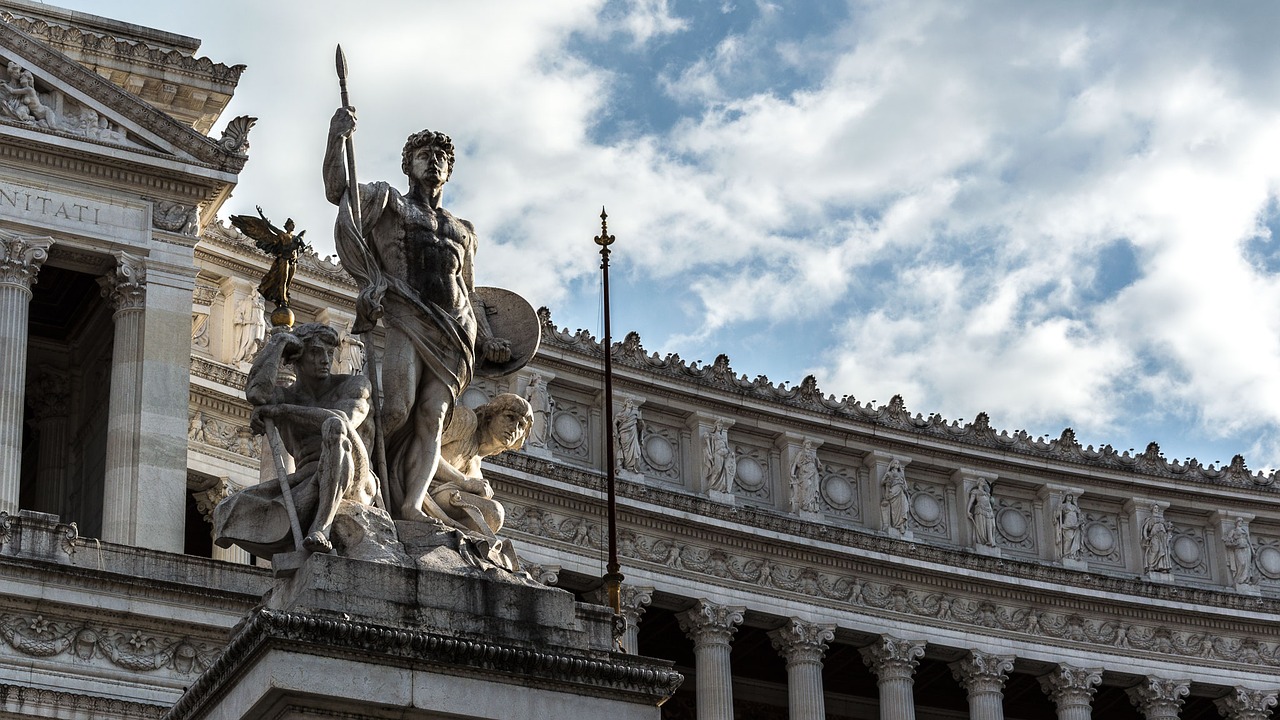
x=720 y=466
x=629 y=426
x=895 y=498
x=251 y=326
x=543 y=406
x=463 y=497
x=1239 y=553
x=318 y=417
x=350 y=354
x=804 y=480
x=1155 y=542
x=24 y=103
x=1068 y=524
x=982 y=514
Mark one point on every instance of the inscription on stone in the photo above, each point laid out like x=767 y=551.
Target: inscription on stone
x=47 y=207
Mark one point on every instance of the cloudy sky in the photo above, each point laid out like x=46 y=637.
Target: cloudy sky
x=1057 y=213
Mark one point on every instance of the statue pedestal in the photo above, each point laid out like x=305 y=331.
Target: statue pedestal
x=1247 y=589
x=1075 y=564
x=720 y=497
x=988 y=550
x=1159 y=577
x=365 y=639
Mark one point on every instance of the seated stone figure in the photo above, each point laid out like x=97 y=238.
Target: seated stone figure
x=459 y=491
x=318 y=417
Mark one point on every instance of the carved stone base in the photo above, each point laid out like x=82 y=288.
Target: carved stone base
x=630 y=476
x=1159 y=577
x=811 y=516
x=1075 y=564
x=902 y=535
x=1252 y=590
x=987 y=550
x=542 y=452
x=720 y=497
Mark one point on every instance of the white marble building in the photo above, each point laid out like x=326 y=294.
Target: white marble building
x=916 y=568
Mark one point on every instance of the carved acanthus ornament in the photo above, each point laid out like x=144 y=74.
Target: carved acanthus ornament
x=134 y=650
x=208 y=493
x=175 y=217
x=21 y=257
x=1159 y=698
x=126 y=286
x=892 y=658
x=1246 y=704
x=635 y=599
x=1070 y=686
x=982 y=672
x=710 y=624
x=802 y=642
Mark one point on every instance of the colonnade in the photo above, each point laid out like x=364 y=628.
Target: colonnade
x=893 y=660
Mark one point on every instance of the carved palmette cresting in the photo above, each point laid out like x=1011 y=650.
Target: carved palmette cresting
x=135 y=650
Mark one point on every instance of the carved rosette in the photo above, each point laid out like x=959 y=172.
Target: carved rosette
x=1070 y=686
x=1247 y=704
x=1159 y=698
x=21 y=257
x=982 y=672
x=126 y=286
x=802 y=643
x=709 y=624
x=892 y=658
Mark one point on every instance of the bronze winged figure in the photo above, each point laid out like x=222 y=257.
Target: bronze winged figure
x=282 y=245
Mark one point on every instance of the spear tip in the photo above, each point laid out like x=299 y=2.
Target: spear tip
x=341 y=60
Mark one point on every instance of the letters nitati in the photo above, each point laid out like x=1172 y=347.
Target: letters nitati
x=28 y=201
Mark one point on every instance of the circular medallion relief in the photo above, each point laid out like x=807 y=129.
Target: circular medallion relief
x=838 y=492
x=1269 y=562
x=1012 y=524
x=750 y=474
x=926 y=508
x=659 y=453
x=567 y=430
x=1186 y=552
x=1099 y=538
x=474 y=398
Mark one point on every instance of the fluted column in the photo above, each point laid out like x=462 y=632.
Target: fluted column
x=711 y=627
x=894 y=662
x=1247 y=704
x=803 y=644
x=126 y=288
x=20 y=261
x=48 y=399
x=634 y=601
x=1071 y=689
x=983 y=675
x=1159 y=698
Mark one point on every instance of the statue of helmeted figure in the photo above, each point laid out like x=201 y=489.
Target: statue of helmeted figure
x=415 y=264
x=894 y=497
x=319 y=417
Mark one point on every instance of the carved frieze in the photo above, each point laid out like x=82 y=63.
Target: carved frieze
x=130 y=649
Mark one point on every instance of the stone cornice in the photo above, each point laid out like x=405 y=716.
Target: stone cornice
x=57 y=703
x=588 y=673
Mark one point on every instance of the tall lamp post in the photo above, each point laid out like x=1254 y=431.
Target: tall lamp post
x=613 y=571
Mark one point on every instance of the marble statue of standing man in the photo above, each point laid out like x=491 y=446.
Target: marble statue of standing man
x=419 y=263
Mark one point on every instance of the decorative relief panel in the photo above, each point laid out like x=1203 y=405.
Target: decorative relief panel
x=209 y=430
x=133 y=650
x=660 y=448
x=1101 y=541
x=754 y=479
x=1266 y=559
x=571 y=430
x=839 y=491
x=929 y=510
x=1187 y=550
x=1016 y=525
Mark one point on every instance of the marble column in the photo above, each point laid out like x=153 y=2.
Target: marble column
x=634 y=601
x=803 y=644
x=711 y=627
x=20 y=261
x=47 y=397
x=894 y=662
x=126 y=287
x=1159 y=698
x=1246 y=704
x=1071 y=689
x=983 y=675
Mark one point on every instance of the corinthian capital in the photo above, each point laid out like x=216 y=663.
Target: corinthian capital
x=1159 y=697
x=1246 y=704
x=891 y=657
x=1070 y=686
x=635 y=599
x=802 y=642
x=709 y=624
x=982 y=672
x=126 y=286
x=21 y=257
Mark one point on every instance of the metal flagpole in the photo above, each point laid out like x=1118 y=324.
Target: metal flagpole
x=372 y=367
x=613 y=574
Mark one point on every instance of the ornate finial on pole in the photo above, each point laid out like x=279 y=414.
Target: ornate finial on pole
x=613 y=574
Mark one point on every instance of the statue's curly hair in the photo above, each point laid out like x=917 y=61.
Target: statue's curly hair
x=317 y=332
x=503 y=403
x=426 y=138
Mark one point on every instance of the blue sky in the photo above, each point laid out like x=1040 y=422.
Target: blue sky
x=1057 y=213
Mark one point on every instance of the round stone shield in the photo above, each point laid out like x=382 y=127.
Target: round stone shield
x=511 y=319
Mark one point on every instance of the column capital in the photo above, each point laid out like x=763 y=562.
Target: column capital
x=126 y=285
x=710 y=624
x=802 y=642
x=1070 y=686
x=1159 y=698
x=891 y=657
x=1246 y=704
x=21 y=257
x=635 y=599
x=982 y=672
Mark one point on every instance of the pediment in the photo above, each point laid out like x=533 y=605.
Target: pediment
x=44 y=91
